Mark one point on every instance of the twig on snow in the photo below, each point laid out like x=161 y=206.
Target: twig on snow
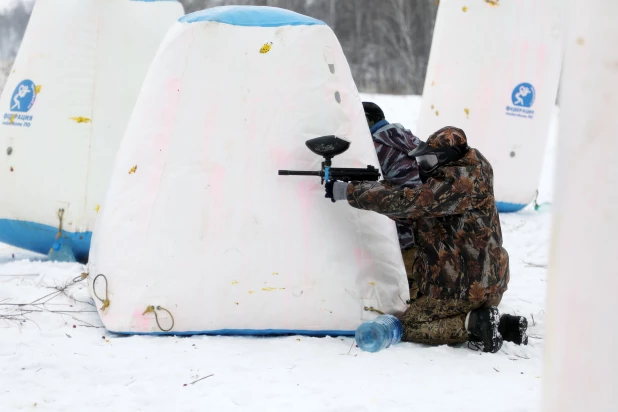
x=535 y=265
x=194 y=382
x=90 y=325
x=41 y=298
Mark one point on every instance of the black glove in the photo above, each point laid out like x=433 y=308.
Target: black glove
x=336 y=190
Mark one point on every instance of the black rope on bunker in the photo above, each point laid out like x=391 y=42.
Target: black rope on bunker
x=94 y=290
x=153 y=309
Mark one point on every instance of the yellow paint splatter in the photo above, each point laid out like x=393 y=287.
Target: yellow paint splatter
x=437 y=113
x=269 y=289
x=580 y=41
x=96 y=209
x=81 y=119
x=464 y=9
x=236 y=303
x=467 y=111
x=432 y=107
x=298 y=339
x=12 y=119
x=372 y=283
x=493 y=2
x=433 y=83
x=107 y=340
x=275 y=273
x=235 y=282
x=133 y=170
x=251 y=292
x=37 y=89
x=266 y=48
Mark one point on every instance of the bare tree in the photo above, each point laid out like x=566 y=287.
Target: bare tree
x=386 y=42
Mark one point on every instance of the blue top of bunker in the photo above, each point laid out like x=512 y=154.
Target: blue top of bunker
x=251 y=16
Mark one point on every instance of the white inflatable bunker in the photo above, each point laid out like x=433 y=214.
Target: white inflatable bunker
x=493 y=71
x=200 y=231
x=580 y=372
x=64 y=110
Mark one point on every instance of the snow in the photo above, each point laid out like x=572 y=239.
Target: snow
x=59 y=357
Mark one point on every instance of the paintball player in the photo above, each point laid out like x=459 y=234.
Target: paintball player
x=393 y=143
x=459 y=265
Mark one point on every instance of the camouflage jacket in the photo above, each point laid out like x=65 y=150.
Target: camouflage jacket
x=459 y=251
x=392 y=143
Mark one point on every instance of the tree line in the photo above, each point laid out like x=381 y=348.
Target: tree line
x=386 y=42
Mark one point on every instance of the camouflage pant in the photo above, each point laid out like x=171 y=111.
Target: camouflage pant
x=408 y=261
x=436 y=321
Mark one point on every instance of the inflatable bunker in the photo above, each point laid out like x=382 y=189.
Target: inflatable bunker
x=493 y=71
x=64 y=110
x=198 y=232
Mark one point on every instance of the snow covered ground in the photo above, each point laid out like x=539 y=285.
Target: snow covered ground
x=56 y=356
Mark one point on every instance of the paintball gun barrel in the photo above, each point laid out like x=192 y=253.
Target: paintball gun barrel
x=329 y=147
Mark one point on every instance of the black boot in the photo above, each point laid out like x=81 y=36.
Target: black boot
x=483 y=325
x=513 y=329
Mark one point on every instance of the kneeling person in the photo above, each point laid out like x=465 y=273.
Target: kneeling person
x=460 y=266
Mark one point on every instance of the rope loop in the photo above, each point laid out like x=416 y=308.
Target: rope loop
x=60 y=216
x=80 y=277
x=105 y=301
x=153 y=309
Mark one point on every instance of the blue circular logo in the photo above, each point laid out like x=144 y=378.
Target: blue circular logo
x=523 y=95
x=23 y=97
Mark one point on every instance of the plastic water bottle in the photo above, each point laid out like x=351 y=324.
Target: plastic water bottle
x=379 y=333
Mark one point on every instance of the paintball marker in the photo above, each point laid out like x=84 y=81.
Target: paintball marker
x=329 y=147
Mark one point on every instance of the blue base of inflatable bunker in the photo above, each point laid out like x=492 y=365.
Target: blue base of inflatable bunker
x=40 y=238
x=505 y=207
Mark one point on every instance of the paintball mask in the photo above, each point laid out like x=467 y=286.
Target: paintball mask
x=373 y=113
x=430 y=158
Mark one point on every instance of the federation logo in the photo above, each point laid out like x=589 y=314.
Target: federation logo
x=522 y=99
x=23 y=97
x=523 y=95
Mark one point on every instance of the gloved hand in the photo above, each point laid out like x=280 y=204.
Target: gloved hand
x=336 y=190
